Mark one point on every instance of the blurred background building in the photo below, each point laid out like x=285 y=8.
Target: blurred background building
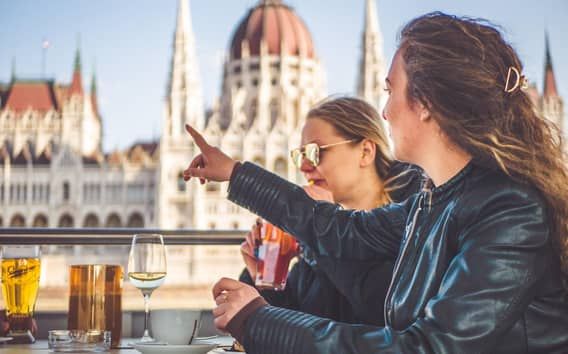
x=55 y=174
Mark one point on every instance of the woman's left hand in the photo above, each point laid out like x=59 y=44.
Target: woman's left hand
x=231 y=296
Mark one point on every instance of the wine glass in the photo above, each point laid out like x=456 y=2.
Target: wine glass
x=147 y=270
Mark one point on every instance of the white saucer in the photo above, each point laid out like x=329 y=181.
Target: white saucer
x=5 y=339
x=174 y=349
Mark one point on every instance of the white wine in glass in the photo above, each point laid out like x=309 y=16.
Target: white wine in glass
x=147 y=270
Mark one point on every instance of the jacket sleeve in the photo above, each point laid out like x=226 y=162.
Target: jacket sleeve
x=327 y=228
x=285 y=298
x=501 y=255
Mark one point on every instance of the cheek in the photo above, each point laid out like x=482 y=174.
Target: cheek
x=339 y=172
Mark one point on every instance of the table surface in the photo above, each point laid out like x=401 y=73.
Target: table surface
x=40 y=347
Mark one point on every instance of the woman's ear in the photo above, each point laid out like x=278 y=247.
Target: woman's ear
x=368 y=152
x=424 y=112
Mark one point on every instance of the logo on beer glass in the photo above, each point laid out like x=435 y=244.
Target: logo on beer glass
x=20 y=270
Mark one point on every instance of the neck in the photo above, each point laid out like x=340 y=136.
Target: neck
x=441 y=170
x=367 y=195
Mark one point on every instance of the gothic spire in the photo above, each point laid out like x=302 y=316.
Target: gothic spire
x=371 y=65
x=549 y=88
x=13 y=78
x=184 y=89
x=94 y=83
x=77 y=82
x=94 y=101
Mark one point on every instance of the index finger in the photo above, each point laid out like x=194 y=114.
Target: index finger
x=225 y=284
x=198 y=138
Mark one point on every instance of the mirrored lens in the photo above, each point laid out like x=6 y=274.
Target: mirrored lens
x=312 y=153
x=297 y=157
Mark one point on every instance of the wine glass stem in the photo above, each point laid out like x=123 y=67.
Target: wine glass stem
x=146 y=314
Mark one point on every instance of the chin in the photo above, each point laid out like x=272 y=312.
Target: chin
x=321 y=183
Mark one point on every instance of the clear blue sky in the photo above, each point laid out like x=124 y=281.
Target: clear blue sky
x=129 y=44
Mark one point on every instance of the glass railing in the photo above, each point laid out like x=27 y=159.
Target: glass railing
x=196 y=260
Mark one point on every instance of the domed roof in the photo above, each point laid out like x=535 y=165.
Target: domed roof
x=276 y=24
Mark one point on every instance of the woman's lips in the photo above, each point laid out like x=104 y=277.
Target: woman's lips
x=317 y=182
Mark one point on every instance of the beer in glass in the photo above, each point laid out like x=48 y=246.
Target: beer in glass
x=20 y=284
x=95 y=299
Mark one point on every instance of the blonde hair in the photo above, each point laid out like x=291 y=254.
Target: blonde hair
x=355 y=119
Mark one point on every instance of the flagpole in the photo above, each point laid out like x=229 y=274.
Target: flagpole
x=44 y=46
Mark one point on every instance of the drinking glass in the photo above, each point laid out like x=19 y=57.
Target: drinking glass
x=147 y=270
x=275 y=252
x=20 y=285
x=95 y=300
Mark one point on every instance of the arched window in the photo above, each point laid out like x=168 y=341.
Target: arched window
x=113 y=220
x=253 y=110
x=66 y=192
x=135 y=220
x=40 y=220
x=212 y=186
x=66 y=220
x=281 y=167
x=18 y=221
x=181 y=183
x=91 y=220
x=274 y=110
x=258 y=160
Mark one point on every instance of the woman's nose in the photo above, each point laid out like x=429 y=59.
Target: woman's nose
x=306 y=166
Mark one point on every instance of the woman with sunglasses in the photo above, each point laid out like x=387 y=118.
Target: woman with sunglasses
x=346 y=158
x=484 y=258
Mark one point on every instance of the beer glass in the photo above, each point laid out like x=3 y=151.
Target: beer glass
x=95 y=299
x=147 y=270
x=275 y=252
x=20 y=284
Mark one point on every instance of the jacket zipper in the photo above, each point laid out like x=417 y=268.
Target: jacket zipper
x=388 y=315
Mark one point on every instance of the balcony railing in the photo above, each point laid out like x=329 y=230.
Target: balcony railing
x=118 y=236
x=132 y=320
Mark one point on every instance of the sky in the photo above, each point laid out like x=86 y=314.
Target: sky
x=128 y=44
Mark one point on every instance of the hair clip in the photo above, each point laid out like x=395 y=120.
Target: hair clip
x=520 y=81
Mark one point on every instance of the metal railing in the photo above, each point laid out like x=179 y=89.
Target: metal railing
x=117 y=236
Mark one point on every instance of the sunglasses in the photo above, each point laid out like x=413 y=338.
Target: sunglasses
x=311 y=152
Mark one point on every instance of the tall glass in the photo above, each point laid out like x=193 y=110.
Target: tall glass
x=147 y=270
x=95 y=299
x=275 y=252
x=20 y=284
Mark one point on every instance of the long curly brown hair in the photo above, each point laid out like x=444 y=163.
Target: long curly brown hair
x=457 y=67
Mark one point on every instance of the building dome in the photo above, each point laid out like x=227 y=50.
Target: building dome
x=278 y=26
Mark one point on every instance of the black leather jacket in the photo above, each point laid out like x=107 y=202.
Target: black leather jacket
x=350 y=291
x=476 y=273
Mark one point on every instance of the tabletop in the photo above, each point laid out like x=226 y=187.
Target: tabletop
x=41 y=347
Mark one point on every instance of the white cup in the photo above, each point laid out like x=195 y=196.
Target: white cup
x=175 y=326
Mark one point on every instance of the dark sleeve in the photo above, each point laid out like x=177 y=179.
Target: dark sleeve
x=363 y=284
x=286 y=298
x=326 y=228
x=500 y=258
